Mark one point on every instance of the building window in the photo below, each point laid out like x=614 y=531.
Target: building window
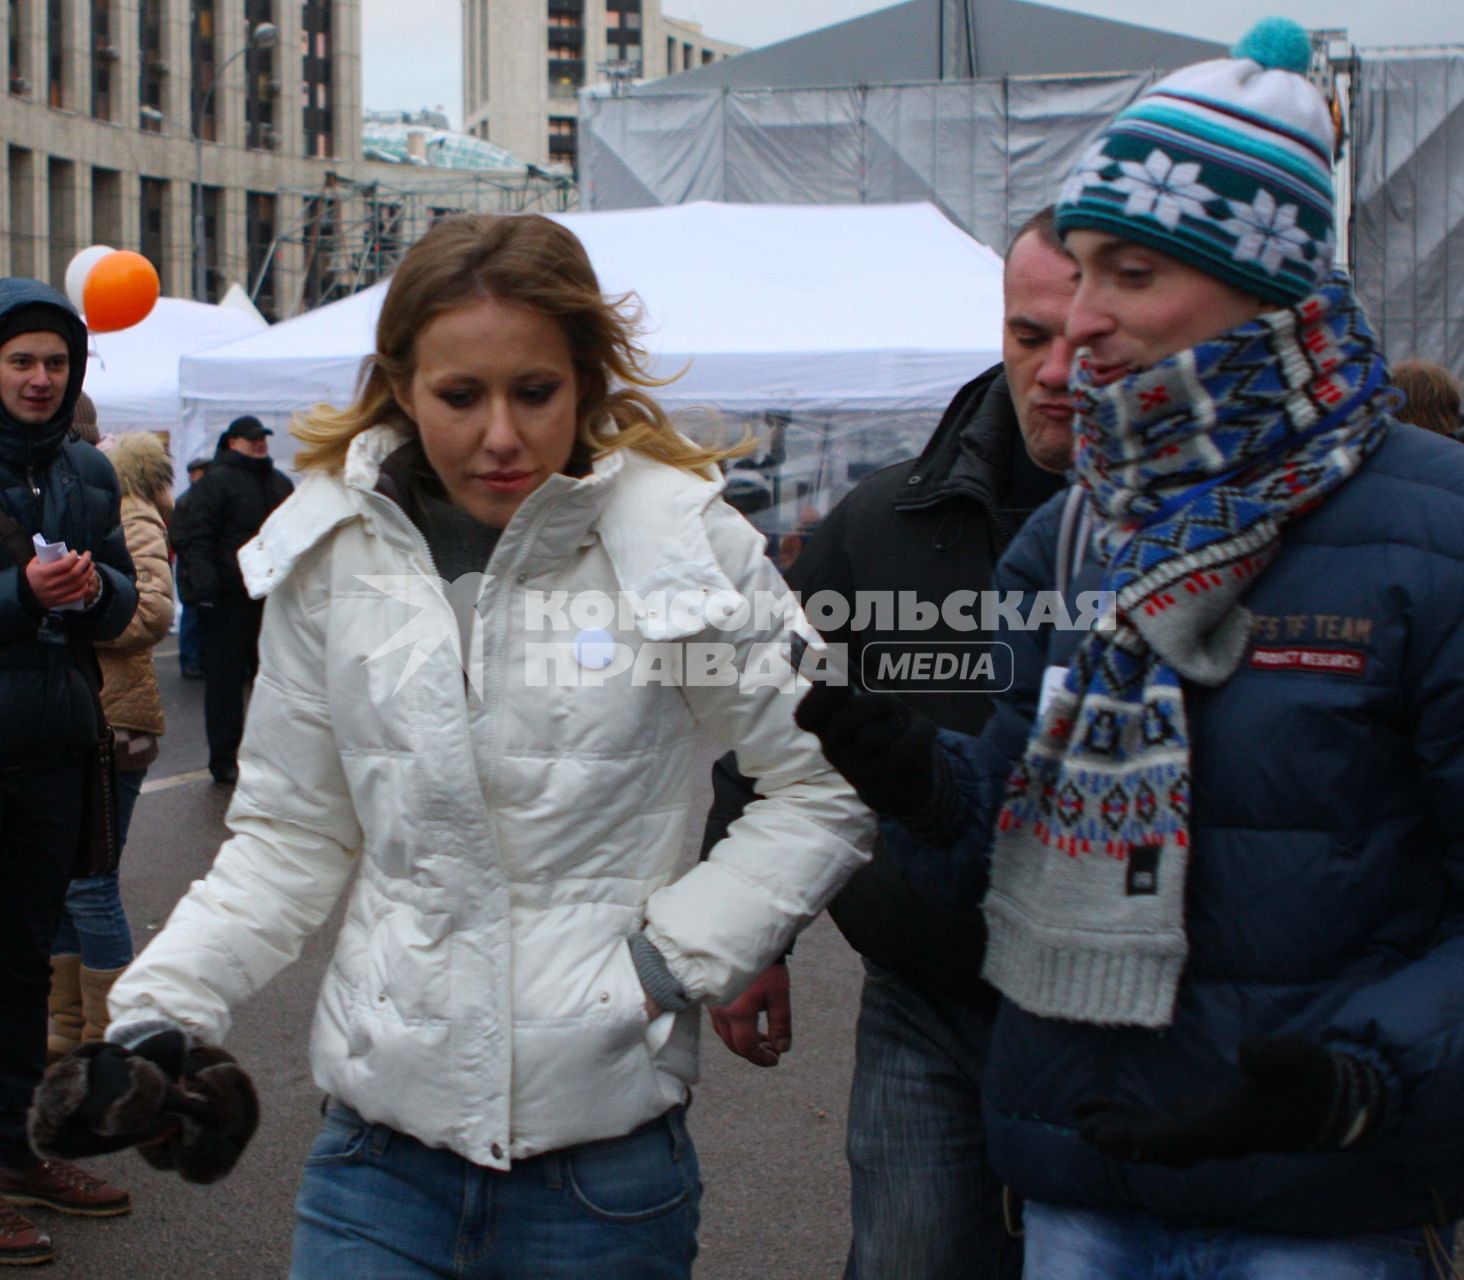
x=384 y=247
x=103 y=59
x=317 y=87
x=670 y=55
x=22 y=211
x=260 y=237
x=204 y=126
x=320 y=244
x=563 y=139
x=19 y=45
x=213 y=203
x=566 y=48
x=261 y=88
x=61 y=217
x=154 y=218
x=686 y=57
x=56 y=52
x=151 y=67
x=708 y=57
x=106 y=202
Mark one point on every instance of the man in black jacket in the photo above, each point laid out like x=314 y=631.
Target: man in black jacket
x=64 y=491
x=925 y=1202
x=223 y=511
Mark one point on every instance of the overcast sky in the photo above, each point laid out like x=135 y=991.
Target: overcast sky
x=411 y=52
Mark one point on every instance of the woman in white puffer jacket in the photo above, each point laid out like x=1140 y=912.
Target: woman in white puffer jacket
x=505 y=609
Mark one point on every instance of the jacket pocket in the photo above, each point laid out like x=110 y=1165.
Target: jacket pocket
x=396 y=957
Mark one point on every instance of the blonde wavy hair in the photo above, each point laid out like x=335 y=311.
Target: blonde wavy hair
x=533 y=261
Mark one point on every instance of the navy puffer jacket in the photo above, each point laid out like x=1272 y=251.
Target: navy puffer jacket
x=47 y=714
x=1325 y=893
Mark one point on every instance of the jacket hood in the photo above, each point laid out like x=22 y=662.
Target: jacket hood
x=22 y=444
x=649 y=517
x=142 y=465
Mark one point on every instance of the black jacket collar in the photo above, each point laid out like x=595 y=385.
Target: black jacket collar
x=977 y=452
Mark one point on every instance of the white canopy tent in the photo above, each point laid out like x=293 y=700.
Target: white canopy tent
x=829 y=317
x=132 y=374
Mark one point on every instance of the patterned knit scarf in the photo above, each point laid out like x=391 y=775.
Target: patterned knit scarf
x=1193 y=466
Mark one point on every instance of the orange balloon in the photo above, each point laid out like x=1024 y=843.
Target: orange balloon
x=119 y=291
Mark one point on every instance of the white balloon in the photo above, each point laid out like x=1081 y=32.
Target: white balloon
x=79 y=268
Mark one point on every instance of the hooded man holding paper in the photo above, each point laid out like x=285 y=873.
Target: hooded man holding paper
x=65 y=576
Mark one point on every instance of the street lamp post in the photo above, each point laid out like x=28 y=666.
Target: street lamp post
x=264 y=36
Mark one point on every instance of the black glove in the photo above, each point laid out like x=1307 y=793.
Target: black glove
x=885 y=751
x=1296 y=1096
x=184 y=1105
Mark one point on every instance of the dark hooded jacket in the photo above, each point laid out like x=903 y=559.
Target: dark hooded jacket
x=65 y=490
x=217 y=516
x=928 y=527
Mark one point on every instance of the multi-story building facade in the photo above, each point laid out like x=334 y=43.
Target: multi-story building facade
x=525 y=61
x=124 y=120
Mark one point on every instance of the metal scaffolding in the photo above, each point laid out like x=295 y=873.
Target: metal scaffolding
x=349 y=234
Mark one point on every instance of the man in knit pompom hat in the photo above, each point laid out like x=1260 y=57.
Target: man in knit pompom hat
x=1217 y=835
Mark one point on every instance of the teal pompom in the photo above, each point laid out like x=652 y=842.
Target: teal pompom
x=1278 y=43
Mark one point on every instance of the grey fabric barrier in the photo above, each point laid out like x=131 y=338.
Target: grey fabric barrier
x=988 y=152
x=1408 y=204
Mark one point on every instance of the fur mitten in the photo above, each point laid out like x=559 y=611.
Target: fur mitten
x=216 y=1117
x=98 y=1098
x=184 y=1105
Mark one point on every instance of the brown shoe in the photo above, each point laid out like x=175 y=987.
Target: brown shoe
x=22 y=1243
x=65 y=1187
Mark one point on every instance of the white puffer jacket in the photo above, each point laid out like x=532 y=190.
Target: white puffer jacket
x=482 y=996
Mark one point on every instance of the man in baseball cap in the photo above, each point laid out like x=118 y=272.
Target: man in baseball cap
x=222 y=511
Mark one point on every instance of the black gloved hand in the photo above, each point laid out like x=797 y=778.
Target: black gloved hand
x=101 y=1098
x=216 y=1115
x=1296 y=1096
x=186 y=1106
x=886 y=752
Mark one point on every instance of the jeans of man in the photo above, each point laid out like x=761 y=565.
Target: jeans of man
x=230 y=658
x=377 y=1205
x=1083 y=1244
x=925 y=1203
x=40 y=829
x=94 y=925
x=190 y=639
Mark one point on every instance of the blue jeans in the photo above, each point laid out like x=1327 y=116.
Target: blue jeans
x=94 y=925
x=925 y=1202
x=1082 y=1244
x=190 y=639
x=378 y=1205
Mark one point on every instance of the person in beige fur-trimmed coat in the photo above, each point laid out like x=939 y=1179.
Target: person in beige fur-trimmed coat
x=94 y=943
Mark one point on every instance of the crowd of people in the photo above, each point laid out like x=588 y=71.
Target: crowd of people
x=1162 y=922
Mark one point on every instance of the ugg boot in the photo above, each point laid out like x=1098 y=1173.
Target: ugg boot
x=64 y=1033
x=96 y=985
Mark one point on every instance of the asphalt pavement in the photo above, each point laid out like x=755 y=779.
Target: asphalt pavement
x=770 y=1140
